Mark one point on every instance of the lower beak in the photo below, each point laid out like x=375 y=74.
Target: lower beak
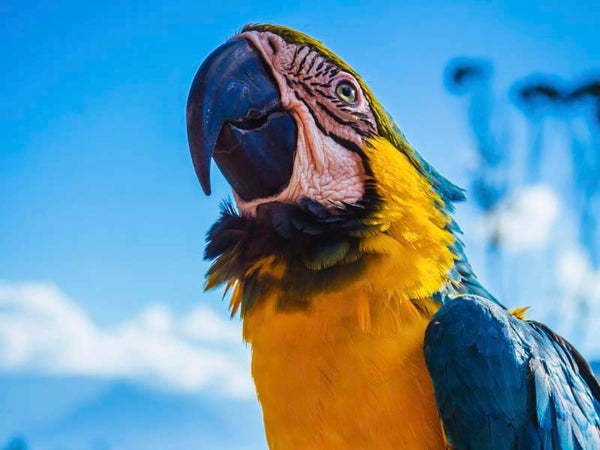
x=234 y=115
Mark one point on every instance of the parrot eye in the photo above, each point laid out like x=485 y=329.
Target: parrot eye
x=346 y=92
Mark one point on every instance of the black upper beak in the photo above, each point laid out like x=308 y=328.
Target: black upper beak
x=234 y=114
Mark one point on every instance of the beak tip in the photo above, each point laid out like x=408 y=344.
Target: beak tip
x=204 y=177
x=201 y=160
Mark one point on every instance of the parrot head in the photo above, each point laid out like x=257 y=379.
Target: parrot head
x=283 y=118
x=324 y=181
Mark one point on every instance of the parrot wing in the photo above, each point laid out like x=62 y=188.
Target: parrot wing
x=505 y=383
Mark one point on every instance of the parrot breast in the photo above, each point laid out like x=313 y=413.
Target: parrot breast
x=357 y=380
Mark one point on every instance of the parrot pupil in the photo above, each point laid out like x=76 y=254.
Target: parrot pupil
x=347 y=93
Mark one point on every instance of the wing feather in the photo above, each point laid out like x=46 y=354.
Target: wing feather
x=505 y=383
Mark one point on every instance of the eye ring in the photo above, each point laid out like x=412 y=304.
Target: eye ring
x=347 y=92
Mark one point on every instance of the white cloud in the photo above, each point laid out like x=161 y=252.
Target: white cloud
x=579 y=307
x=525 y=221
x=575 y=271
x=202 y=324
x=44 y=332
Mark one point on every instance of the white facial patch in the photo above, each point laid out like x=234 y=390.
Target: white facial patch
x=324 y=170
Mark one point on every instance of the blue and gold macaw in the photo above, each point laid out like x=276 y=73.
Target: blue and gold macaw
x=368 y=328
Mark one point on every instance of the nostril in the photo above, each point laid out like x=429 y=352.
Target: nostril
x=273 y=46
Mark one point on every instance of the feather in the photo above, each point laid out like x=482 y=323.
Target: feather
x=525 y=379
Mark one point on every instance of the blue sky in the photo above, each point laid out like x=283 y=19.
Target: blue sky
x=98 y=197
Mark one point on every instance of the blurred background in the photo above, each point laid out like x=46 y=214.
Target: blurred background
x=107 y=340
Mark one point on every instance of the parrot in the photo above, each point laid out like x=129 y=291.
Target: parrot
x=340 y=253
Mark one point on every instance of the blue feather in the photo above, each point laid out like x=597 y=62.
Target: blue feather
x=505 y=383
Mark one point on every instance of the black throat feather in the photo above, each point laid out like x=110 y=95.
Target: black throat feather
x=315 y=249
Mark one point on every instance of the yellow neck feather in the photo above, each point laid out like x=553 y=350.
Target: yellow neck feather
x=412 y=227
